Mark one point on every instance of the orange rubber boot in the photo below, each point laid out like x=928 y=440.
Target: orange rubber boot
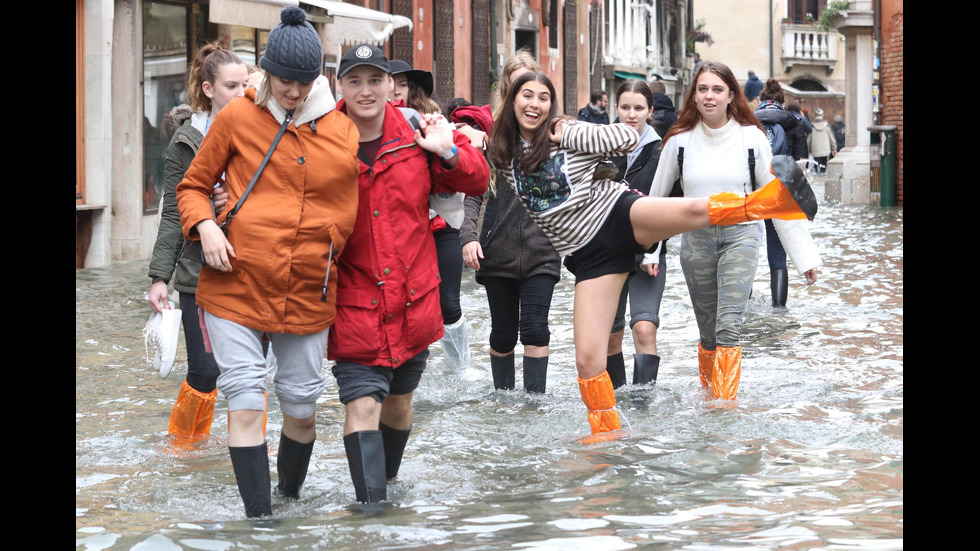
x=706 y=365
x=787 y=197
x=600 y=397
x=728 y=371
x=191 y=417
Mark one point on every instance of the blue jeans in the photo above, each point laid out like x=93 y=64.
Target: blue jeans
x=774 y=248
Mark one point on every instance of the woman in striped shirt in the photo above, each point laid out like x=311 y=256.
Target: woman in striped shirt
x=601 y=224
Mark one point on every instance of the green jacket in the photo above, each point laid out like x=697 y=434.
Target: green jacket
x=168 y=259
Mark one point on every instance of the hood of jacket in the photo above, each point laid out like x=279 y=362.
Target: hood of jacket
x=773 y=114
x=820 y=124
x=178 y=114
x=319 y=102
x=662 y=103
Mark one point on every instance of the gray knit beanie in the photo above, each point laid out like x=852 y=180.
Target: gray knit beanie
x=293 y=50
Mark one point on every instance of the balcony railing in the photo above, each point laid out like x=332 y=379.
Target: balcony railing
x=805 y=45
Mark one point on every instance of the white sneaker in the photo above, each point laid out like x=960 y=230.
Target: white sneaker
x=161 y=334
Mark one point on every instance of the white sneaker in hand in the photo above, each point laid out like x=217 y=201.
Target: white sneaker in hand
x=160 y=335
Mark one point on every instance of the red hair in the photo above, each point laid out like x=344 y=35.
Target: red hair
x=738 y=109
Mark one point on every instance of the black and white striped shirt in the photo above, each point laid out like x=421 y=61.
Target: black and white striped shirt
x=561 y=196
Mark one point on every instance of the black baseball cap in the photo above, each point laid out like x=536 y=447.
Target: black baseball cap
x=363 y=54
x=418 y=76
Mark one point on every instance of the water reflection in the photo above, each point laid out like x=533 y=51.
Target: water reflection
x=811 y=456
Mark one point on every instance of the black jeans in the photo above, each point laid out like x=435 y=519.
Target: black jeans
x=519 y=307
x=450 y=255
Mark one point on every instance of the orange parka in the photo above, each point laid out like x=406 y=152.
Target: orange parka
x=304 y=202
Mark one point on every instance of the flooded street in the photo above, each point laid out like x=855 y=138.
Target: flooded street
x=811 y=456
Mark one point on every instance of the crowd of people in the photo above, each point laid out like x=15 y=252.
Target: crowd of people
x=362 y=212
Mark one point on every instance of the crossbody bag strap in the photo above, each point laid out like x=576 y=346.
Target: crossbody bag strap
x=282 y=130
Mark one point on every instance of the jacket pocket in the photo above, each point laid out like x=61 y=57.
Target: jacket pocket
x=423 y=313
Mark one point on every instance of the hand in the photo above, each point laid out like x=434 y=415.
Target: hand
x=557 y=131
x=472 y=253
x=651 y=269
x=435 y=134
x=478 y=138
x=219 y=197
x=158 y=296
x=218 y=252
x=811 y=276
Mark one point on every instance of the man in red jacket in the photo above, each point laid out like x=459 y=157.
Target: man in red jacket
x=388 y=310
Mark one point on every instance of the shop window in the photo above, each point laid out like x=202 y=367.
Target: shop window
x=165 y=54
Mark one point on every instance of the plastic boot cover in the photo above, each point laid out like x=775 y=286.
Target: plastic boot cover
x=191 y=417
x=251 y=466
x=366 y=459
x=645 y=368
x=456 y=344
x=600 y=397
x=292 y=465
x=728 y=370
x=706 y=365
x=535 y=374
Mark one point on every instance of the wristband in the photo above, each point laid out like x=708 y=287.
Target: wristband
x=450 y=155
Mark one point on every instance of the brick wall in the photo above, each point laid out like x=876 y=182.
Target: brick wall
x=892 y=88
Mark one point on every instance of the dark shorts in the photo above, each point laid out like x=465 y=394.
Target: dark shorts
x=613 y=250
x=356 y=380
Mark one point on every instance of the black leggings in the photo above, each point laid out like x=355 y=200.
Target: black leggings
x=450 y=255
x=519 y=306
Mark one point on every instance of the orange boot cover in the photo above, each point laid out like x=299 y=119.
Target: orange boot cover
x=772 y=201
x=728 y=370
x=600 y=398
x=191 y=417
x=706 y=365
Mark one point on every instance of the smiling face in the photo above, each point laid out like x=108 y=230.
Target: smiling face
x=400 y=90
x=366 y=90
x=633 y=110
x=712 y=97
x=229 y=83
x=532 y=105
x=289 y=94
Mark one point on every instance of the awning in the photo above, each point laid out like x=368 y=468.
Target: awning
x=351 y=24
x=627 y=75
x=355 y=24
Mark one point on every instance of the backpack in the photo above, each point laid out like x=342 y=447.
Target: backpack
x=777 y=139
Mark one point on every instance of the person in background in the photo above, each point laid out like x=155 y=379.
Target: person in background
x=216 y=77
x=600 y=223
x=786 y=137
x=664 y=115
x=838 y=127
x=796 y=110
x=752 y=87
x=388 y=304
x=273 y=273
x=516 y=264
x=595 y=111
x=645 y=287
x=712 y=138
x=821 y=141
x=414 y=89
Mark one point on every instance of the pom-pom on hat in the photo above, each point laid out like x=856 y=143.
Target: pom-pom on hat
x=293 y=50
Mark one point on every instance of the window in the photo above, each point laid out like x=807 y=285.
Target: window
x=165 y=54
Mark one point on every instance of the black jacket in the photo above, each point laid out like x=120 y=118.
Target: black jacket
x=795 y=136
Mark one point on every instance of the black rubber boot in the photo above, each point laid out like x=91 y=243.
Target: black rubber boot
x=535 y=374
x=645 y=368
x=251 y=466
x=779 y=283
x=366 y=459
x=616 y=367
x=292 y=464
x=503 y=371
x=394 y=442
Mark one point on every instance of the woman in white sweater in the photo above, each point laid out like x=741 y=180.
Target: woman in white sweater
x=717 y=145
x=601 y=224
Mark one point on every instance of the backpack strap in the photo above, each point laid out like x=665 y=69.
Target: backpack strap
x=750 y=155
x=414 y=120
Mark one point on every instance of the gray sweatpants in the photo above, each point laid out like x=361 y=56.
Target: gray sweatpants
x=299 y=379
x=719 y=265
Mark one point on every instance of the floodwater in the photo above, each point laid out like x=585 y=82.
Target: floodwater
x=811 y=456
